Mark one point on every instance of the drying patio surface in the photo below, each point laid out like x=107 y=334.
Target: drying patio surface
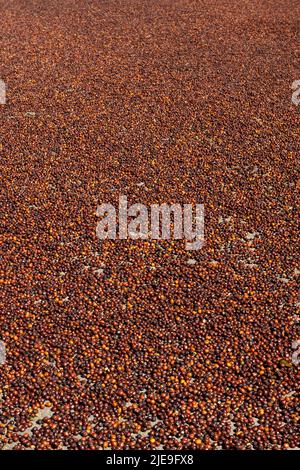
x=142 y=344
